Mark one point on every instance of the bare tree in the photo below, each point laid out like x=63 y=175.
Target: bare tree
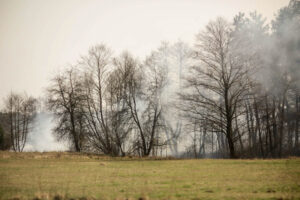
x=21 y=111
x=218 y=84
x=97 y=66
x=64 y=99
x=144 y=101
x=119 y=112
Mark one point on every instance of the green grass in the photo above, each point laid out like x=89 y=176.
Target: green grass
x=29 y=175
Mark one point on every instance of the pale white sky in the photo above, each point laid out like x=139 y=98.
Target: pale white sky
x=37 y=37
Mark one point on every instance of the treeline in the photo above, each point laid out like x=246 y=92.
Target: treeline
x=235 y=93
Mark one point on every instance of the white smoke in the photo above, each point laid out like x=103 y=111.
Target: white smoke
x=41 y=138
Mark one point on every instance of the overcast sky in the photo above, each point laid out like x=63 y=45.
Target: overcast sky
x=37 y=37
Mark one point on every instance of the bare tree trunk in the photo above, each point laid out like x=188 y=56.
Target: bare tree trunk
x=281 y=129
x=274 y=125
x=297 y=125
x=258 y=128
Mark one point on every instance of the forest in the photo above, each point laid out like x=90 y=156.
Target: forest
x=233 y=93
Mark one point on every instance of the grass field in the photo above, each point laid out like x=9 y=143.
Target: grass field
x=67 y=176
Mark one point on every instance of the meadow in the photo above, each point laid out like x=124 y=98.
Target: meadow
x=86 y=176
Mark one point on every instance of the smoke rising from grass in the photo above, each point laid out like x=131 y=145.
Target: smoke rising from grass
x=41 y=137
